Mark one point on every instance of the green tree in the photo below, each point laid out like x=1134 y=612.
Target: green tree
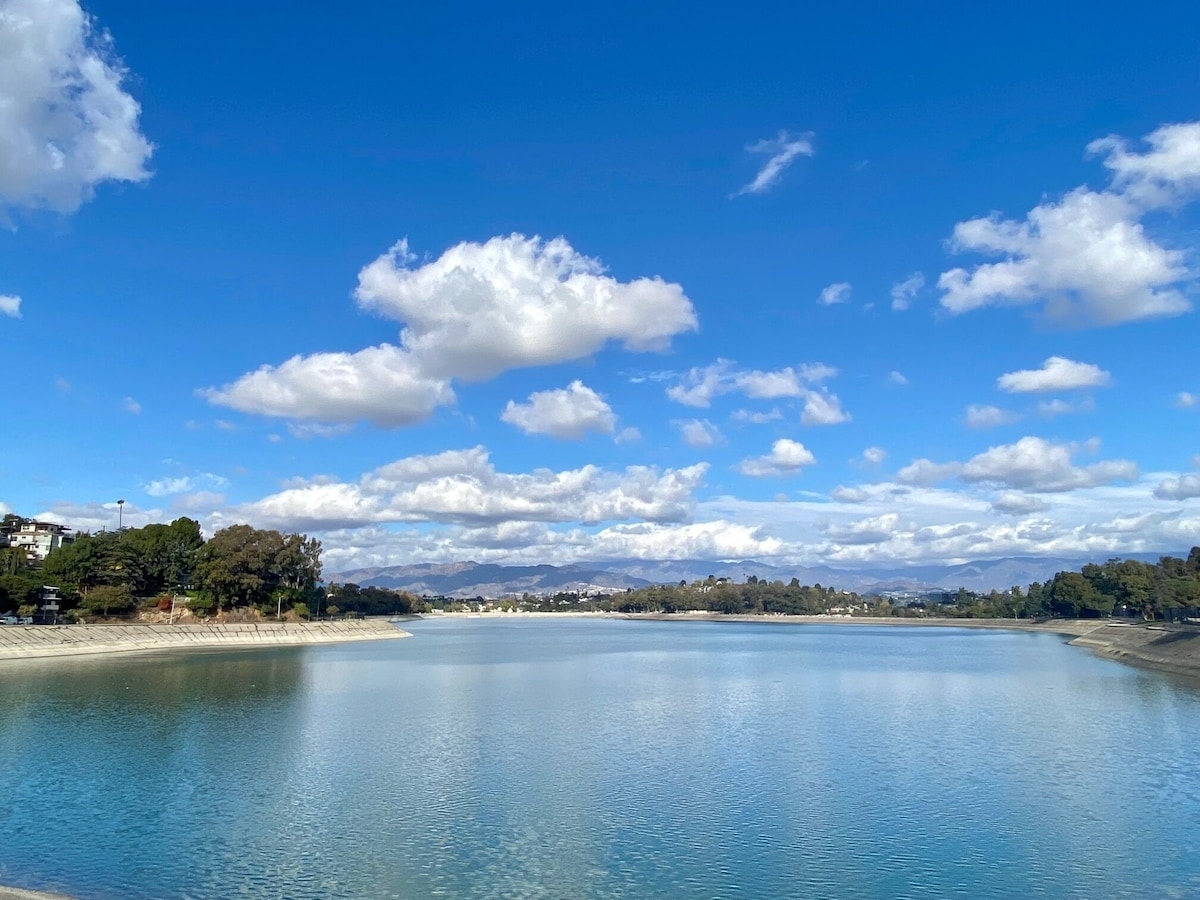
x=106 y=599
x=245 y=566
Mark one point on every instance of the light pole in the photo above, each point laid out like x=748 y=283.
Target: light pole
x=120 y=513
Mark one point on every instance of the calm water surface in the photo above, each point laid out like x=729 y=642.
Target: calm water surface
x=604 y=758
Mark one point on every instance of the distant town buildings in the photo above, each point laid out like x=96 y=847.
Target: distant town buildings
x=36 y=538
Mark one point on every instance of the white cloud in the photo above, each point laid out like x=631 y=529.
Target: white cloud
x=904 y=291
x=131 y=406
x=568 y=413
x=463 y=487
x=185 y=484
x=1038 y=466
x=1169 y=172
x=66 y=125
x=897 y=378
x=166 y=486
x=514 y=302
x=1087 y=256
x=871 y=530
x=782 y=150
x=10 y=306
x=1182 y=487
x=926 y=472
x=823 y=408
x=988 y=416
x=769 y=385
x=874 y=455
x=1185 y=400
x=699 y=385
x=835 y=293
x=381 y=384
x=1018 y=504
x=1056 y=374
x=627 y=435
x=698 y=432
x=61 y=384
x=476 y=311
x=787 y=457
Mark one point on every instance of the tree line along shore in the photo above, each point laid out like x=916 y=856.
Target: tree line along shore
x=247 y=573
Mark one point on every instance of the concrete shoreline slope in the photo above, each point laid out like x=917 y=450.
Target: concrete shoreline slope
x=34 y=641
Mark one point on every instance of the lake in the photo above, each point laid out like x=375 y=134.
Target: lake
x=572 y=758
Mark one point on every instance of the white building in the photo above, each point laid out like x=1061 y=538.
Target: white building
x=38 y=539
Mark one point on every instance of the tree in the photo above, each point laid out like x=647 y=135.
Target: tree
x=108 y=598
x=245 y=566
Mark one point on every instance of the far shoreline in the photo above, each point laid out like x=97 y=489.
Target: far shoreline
x=1171 y=649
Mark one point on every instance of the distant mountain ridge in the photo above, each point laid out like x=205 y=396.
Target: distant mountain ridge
x=472 y=579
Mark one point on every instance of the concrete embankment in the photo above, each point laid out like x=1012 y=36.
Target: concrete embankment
x=1167 y=648
x=18 y=894
x=31 y=641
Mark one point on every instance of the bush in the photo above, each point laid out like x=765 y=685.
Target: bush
x=201 y=606
x=301 y=609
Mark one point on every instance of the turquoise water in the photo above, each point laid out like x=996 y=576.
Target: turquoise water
x=604 y=758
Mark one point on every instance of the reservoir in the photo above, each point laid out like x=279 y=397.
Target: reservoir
x=603 y=758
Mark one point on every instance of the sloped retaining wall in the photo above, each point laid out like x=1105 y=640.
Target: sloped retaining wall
x=28 y=641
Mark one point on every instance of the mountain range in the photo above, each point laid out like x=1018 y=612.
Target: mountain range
x=472 y=579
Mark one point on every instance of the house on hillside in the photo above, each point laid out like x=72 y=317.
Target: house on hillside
x=36 y=538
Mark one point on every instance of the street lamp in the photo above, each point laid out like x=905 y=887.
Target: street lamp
x=120 y=513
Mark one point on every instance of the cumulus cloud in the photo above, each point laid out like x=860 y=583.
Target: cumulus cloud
x=835 y=293
x=1182 y=487
x=476 y=311
x=871 y=530
x=463 y=487
x=897 y=378
x=1056 y=374
x=10 y=306
x=383 y=385
x=131 y=406
x=1018 y=504
x=66 y=123
x=782 y=152
x=787 y=457
x=698 y=432
x=874 y=455
x=1087 y=256
x=822 y=408
x=988 y=416
x=1032 y=464
x=926 y=472
x=904 y=291
x=1038 y=466
x=568 y=413
x=1168 y=173
x=1186 y=400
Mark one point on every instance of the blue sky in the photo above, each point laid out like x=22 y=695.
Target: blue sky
x=544 y=284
